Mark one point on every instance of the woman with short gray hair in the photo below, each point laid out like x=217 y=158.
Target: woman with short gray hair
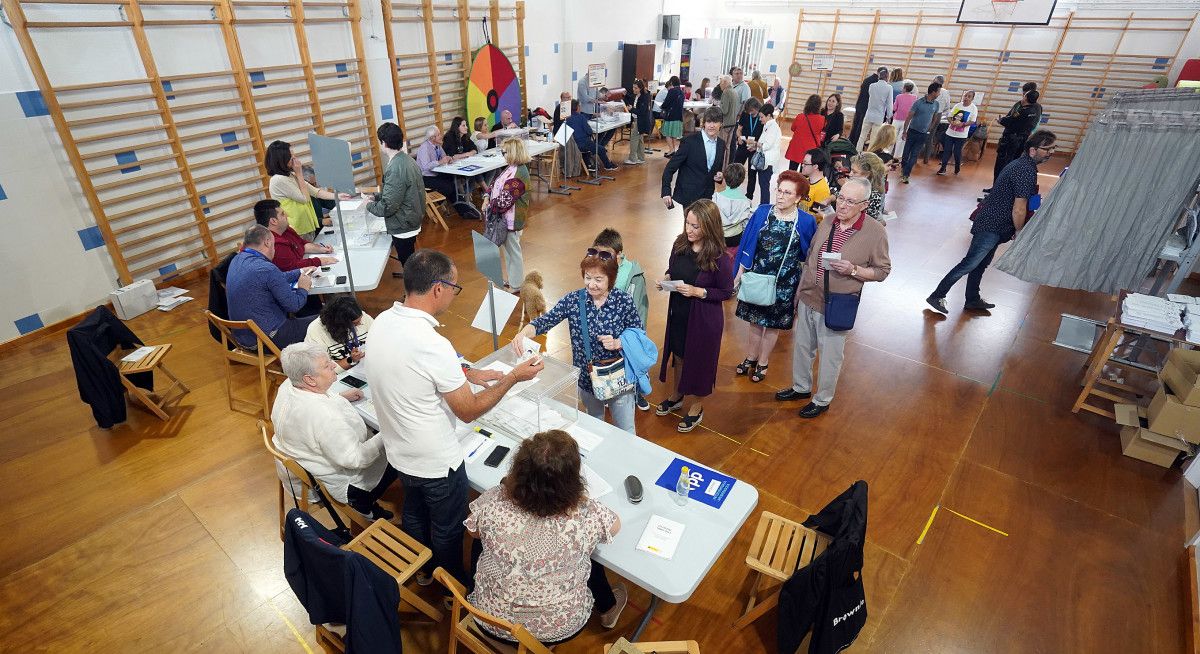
x=325 y=435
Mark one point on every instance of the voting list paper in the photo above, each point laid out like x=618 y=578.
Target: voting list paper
x=661 y=537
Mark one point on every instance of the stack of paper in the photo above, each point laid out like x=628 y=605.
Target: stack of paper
x=661 y=537
x=596 y=486
x=1150 y=312
x=171 y=303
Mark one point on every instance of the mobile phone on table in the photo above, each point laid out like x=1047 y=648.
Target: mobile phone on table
x=497 y=455
x=351 y=380
x=341 y=279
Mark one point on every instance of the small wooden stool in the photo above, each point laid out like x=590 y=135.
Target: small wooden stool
x=155 y=402
x=434 y=200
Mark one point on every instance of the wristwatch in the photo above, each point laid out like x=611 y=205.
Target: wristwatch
x=854 y=271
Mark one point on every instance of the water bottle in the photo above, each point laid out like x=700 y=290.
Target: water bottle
x=682 y=487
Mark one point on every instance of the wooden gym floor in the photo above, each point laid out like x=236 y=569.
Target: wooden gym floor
x=162 y=537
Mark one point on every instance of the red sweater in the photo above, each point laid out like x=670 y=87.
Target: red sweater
x=289 y=252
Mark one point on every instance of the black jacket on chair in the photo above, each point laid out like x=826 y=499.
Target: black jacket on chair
x=90 y=343
x=335 y=585
x=695 y=180
x=217 y=302
x=827 y=595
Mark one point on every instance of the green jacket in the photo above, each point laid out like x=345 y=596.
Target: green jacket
x=401 y=200
x=632 y=280
x=729 y=107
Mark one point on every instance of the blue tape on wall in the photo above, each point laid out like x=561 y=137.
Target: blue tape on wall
x=125 y=158
x=447 y=56
x=545 y=80
x=1077 y=60
x=357 y=156
x=770 y=45
x=32 y=103
x=229 y=137
x=258 y=76
x=386 y=112
x=204 y=204
x=962 y=64
x=1045 y=119
x=28 y=324
x=341 y=68
x=773 y=68
x=589 y=46
x=1013 y=87
x=839 y=88
x=3 y=195
x=812 y=45
x=620 y=46
x=929 y=52
x=91 y=238
x=1160 y=63
x=574 y=76
x=555 y=48
x=166 y=84
x=526 y=51
x=167 y=269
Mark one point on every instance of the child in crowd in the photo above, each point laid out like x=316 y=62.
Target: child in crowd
x=630 y=278
x=735 y=207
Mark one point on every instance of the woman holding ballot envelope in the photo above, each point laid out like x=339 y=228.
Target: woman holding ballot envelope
x=700 y=278
x=598 y=317
x=774 y=243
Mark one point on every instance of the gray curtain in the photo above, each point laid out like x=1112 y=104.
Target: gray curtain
x=1157 y=99
x=1106 y=221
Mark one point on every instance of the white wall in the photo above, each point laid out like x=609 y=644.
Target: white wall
x=54 y=268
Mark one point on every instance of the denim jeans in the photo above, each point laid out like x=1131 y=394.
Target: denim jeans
x=621 y=406
x=293 y=330
x=433 y=513
x=912 y=149
x=952 y=145
x=979 y=255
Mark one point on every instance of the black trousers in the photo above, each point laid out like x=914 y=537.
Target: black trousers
x=362 y=500
x=404 y=248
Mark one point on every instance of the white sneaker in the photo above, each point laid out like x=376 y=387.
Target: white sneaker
x=631 y=162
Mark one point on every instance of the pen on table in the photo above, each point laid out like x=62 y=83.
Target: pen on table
x=476 y=449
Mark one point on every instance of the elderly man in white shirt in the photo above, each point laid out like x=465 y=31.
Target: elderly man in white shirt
x=325 y=434
x=419 y=387
x=879 y=107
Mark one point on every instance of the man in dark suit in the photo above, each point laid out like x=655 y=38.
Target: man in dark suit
x=698 y=162
x=864 y=96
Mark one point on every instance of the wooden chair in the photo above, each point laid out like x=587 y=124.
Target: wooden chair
x=264 y=355
x=661 y=647
x=434 y=202
x=156 y=402
x=353 y=519
x=780 y=548
x=464 y=628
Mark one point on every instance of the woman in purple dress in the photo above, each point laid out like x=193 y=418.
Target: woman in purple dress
x=700 y=273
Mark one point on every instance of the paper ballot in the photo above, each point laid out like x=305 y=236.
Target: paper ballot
x=505 y=304
x=596 y=486
x=563 y=134
x=661 y=537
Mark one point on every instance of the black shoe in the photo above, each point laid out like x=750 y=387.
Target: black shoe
x=689 y=422
x=668 y=405
x=789 y=394
x=987 y=190
x=942 y=171
x=376 y=513
x=979 y=305
x=612 y=167
x=812 y=410
x=938 y=304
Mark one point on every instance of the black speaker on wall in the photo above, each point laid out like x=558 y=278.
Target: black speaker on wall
x=670 y=27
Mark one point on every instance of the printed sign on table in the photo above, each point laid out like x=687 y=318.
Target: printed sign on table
x=708 y=486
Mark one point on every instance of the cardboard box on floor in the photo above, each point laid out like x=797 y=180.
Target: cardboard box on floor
x=1170 y=417
x=1140 y=443
x=1181 y=373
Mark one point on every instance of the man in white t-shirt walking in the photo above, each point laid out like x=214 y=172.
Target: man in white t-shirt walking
x=419 y=387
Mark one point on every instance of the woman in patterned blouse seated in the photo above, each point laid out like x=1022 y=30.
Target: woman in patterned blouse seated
x=538 y=529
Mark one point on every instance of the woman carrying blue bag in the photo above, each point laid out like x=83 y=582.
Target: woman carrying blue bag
x=769 y=259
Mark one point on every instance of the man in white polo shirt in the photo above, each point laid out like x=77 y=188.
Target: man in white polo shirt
x=419 y=387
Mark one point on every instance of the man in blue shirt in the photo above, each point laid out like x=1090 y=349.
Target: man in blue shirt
x=1002 y=213
x=918 y=120
x=585 y=138
x=258 y=290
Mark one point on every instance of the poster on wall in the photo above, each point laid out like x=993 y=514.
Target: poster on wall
x=492 y=87
x=685 y=61
x=1006 y=12
x=822 y=62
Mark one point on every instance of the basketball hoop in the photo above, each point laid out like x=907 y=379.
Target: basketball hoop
x=1004 y=10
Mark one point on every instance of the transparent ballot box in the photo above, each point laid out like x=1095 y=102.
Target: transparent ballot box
x=549 y=401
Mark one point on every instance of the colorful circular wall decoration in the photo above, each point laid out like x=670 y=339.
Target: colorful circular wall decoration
x=492 y=87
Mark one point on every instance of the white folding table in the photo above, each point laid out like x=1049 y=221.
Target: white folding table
x=606 y=123
x=707 y=533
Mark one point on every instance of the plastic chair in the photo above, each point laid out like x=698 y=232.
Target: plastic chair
x=780 y=547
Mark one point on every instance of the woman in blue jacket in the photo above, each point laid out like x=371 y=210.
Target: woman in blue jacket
x=672 y=113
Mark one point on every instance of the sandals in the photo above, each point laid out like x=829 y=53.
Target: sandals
x=689 y=422
x=759 y=374
x=668 y=405
x=746 y=366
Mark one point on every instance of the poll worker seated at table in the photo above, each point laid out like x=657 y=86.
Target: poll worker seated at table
x=288 y=186
x=291 y=251
x=457 y=143
x=258 y=290
x=585 y=138
x=430 y=155
x=323 y=432
x=538 y=529
x=341 y=329
x=562 y=109
x=506 y=122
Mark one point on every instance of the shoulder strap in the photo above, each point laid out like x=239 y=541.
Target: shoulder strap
x=583 y=325
x=829 y=248
x=808 y=121
x=791 y=237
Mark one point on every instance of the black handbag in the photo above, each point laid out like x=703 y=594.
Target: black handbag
x=840 y=308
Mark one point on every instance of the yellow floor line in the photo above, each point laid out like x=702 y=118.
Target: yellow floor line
x=759 y=452
x=295 y=632
x=977 y=522
x=928 y=524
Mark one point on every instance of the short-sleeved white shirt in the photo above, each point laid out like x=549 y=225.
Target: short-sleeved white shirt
x=412 y=368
